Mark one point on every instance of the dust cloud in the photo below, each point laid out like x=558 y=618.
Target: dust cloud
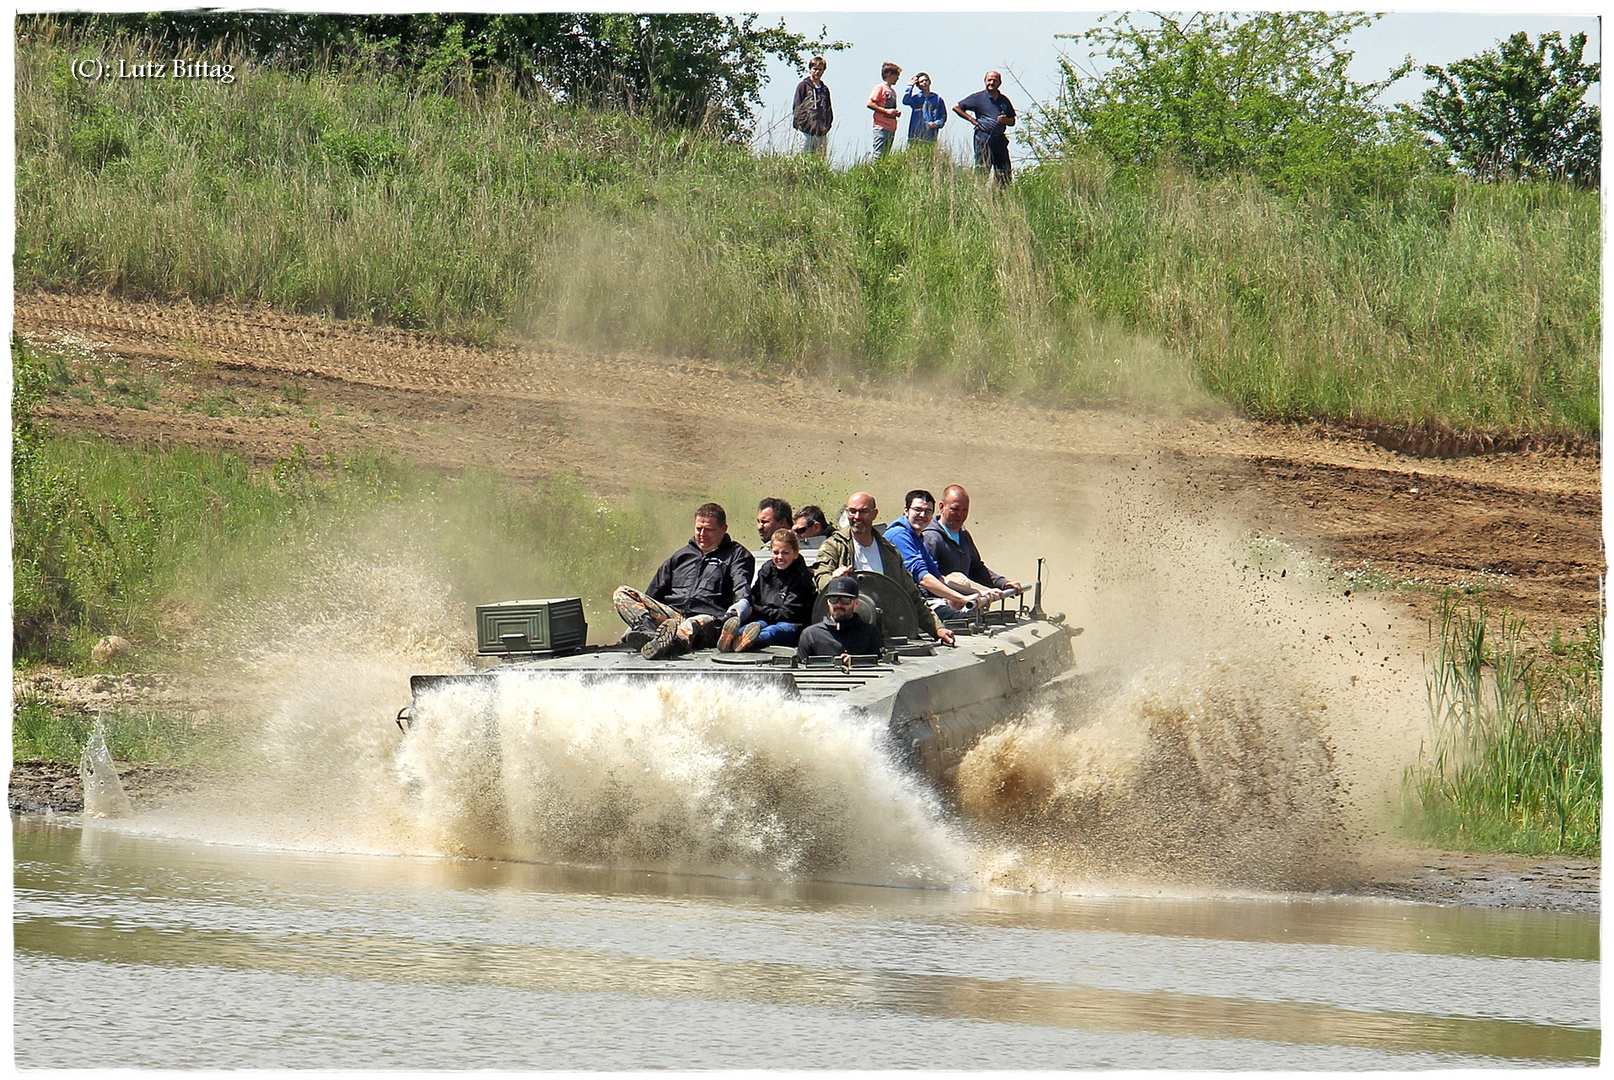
x=1239 y=720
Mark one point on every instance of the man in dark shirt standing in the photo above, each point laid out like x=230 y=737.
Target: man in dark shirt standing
x=994 y=115
x=701 y=584
x=843 y=632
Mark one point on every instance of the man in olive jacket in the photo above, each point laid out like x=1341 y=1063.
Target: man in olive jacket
x=860 y=547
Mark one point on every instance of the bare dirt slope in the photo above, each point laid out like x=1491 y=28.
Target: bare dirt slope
x=1524 y=525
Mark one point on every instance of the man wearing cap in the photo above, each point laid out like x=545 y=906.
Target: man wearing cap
x=860 y=547
x=843 y=632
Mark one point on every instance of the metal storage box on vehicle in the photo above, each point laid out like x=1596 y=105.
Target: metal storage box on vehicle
x=543 y=627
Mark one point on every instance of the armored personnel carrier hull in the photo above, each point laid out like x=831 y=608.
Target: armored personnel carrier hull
x=937 y=701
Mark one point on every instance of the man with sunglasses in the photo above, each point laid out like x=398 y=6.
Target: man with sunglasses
x=946 y=601
x=811 y=111
x=860 y=547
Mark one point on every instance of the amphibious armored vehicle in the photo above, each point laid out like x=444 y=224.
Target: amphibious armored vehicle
x=937 y=700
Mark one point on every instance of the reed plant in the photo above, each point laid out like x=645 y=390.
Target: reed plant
x=1516 y=762
x=487 y=212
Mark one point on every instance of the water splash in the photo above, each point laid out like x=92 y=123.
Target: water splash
x=688 y=776
x=1185 y=773
x=104 y=796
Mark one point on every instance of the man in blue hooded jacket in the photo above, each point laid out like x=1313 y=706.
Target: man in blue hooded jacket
x=929 y=110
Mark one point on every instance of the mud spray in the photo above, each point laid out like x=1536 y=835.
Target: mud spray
x=1239 y=724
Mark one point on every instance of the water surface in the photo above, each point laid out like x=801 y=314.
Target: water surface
x=140 y=951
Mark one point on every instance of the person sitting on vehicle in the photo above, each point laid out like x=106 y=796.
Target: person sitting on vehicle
x=772 y=515
x=951 y=545
x=843 y=632
x=781 y=600
x=859 y=547
x=700 y=584
x=946 y=601
x=811 y=528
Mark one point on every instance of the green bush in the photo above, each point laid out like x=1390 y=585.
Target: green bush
x=112 y=539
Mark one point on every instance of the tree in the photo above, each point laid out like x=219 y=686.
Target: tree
x=1266 y=94
x=1518 y=110
x=686 y=69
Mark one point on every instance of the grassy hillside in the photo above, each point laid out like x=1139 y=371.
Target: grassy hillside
x=1474 y=307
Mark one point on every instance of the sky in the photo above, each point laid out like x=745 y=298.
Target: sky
x=957 y=48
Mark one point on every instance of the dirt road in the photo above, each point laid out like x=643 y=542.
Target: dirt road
x=1525 y=526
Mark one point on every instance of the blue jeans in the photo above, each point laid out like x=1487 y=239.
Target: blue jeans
x=882 y=141
x=814 y=144
x=779 y=633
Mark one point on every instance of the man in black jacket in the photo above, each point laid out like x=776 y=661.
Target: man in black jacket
x=701 y=584
x=951 y=545
x=843 y=632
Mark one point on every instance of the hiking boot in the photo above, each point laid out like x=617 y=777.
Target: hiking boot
x=666 y=642
x=731 y=630
x=639 y=634
x=748 y=637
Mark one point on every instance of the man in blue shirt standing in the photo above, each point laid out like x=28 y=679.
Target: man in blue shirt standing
x=929 y=110
x=994 y=115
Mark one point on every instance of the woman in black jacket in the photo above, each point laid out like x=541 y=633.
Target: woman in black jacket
x=781 y=600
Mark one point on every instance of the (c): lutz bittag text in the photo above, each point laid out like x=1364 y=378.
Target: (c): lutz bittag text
x=181 y=69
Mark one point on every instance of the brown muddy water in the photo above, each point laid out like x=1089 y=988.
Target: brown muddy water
x=704 y=880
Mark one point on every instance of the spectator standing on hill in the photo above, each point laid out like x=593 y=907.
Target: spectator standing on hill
x=929 y=110
x=994 y=115
x=883 y=103
x=811 y=111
